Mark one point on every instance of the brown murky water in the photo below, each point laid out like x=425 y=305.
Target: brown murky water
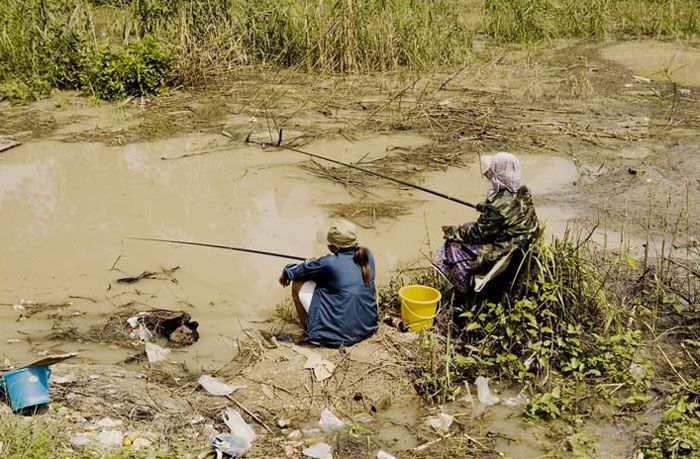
x=658 y=61
x=65 y=209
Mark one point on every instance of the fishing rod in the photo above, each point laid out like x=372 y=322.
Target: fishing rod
x=202 y=244
x=278 y=144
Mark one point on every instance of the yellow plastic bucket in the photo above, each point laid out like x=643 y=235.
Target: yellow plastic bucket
x=419 y=306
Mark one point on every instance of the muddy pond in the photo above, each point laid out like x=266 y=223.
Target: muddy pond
x=66 y=209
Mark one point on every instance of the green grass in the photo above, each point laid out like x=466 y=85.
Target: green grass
x=533 y=20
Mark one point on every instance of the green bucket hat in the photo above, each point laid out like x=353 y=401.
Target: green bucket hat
x=342 y=234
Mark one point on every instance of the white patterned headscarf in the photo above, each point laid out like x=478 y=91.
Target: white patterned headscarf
x=503 y=171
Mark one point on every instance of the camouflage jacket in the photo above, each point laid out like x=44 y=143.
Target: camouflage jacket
x=506 y=221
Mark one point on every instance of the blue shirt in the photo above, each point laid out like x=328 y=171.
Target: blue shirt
x=343 y=309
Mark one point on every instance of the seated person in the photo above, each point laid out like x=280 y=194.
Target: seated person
x=507 y=220
x=335 y=295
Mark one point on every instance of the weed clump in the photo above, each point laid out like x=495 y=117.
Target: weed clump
x=142 y=68
x=552 y=330
x=679 y=432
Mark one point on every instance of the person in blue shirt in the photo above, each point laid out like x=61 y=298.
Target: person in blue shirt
x=335 y=295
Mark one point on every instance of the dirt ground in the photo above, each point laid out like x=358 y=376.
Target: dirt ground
x=632 y=132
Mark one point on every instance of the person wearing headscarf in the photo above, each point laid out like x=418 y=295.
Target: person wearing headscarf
x=335 y=295
x=508 y=220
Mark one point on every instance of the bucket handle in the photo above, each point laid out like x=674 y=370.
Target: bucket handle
x=437 y=311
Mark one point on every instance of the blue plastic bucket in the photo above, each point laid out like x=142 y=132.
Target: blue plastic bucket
x=26 y=387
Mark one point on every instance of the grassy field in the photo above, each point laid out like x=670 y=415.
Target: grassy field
x=119 y=48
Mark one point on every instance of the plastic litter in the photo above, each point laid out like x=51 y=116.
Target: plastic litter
x=319 y=451
x=216 y=387
x=440 y=423
x=109 y=423
x=484 y=393
x=80 y=440
x=322 y=368
x=156 y=354
x=517 y=400
x=329 y=422
x=141 y=443
x=110 y=439
x=384 y=455
x=637 y=371
x=229 y=445
x=241 y=432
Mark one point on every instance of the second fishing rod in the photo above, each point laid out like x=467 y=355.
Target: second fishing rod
x=278 y=144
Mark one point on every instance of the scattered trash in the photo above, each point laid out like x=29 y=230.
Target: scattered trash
x=177 y=326
x=197 y=419
x=322 y=369
x=141 y=443
x=396 y=323
x=240 y=430
x=216 y=387
x=685 y=92
x=13 y=341
x=295 y=435
x=227 y=444
x=441 y=423
x=329 y=422
x=80 y=440
x=282 y=423
x=110 y=439
x=319 y=451
x=517 y=400
x=484 y=393
x=108 y=423
x=156 y=354
x=641 y=79
x=384 y=455
x=637 y=371
x=236 y=443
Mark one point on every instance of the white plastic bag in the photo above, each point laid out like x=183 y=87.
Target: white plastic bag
x=156 y=354
x=329 y=422
x=319 y=451
x=484 y=393
x=216 y=387
x=239 y=429
x=440 y=423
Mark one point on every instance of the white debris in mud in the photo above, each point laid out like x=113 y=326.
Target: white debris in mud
x=156 y=354
x=319 y=451
x=384 y=455
x=484 y=393
x=109 y=423
x=441 y=423
x=329 y=422
x=110 y=439
x=216 y=387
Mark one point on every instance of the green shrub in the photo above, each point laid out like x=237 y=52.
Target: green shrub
x=143 y=68
x=679 y=433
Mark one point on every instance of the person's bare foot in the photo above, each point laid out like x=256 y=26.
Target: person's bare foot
x=299 y=339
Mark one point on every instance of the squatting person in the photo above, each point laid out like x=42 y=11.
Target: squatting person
x=335 y=295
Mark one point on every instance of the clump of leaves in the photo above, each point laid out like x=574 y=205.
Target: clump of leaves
x=143 y=68
x=679 y=432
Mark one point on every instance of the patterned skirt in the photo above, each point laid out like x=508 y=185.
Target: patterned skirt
x=455 y=261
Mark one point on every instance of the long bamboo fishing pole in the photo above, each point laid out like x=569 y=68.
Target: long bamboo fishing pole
x=216 y=246
x=278 y=144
